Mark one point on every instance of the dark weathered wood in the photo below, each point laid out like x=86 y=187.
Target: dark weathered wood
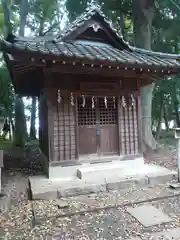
x=139 y=117
x=128 y=128
x=119 y=126
x=50 y=131
x=109 y=139
x=76 y=127
x=104 y=71
x=23 y=59
x=64 y=128
x=98 y=128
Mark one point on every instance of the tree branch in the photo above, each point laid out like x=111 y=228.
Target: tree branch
x=175 y=4
x=50 y=29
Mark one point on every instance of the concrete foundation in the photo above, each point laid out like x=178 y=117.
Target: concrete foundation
x=88 y=178
x=80 y=171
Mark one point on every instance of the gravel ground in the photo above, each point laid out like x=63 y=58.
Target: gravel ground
x=166 y=157
x=115 y=223
x=48 y=209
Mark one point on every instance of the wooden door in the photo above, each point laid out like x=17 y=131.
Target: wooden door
x=108 y=126
x=87 y=127
x=98 y=131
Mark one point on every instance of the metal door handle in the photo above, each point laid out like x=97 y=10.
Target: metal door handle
x=97 y=131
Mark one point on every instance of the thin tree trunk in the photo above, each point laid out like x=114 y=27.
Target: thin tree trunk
x=143 y=13
x=10 y=131
x=13 y=128
x=165 y=118
x=33 y=119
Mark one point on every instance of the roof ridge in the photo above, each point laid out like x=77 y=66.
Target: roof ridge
x=33 y=39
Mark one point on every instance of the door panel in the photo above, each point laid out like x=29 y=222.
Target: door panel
x=97 y=125
x=109 y=139
x=87 y=126
x=87 y=140
x=108 y=126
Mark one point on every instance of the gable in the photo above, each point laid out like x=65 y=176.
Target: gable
x=93 y=26
x=95 y=32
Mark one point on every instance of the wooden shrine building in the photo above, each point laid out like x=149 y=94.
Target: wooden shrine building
x=88 y=81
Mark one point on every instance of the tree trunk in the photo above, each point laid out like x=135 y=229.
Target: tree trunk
x=12 y=128
x=176 y=107
x=33 y=119
x=20 y=123
x=175 y=101
x=166 y=118
x=20 y=120
x=143 y=13
x=158 y=130
x=21 y=136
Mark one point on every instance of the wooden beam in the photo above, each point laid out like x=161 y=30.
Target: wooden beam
x=97 y=71
x=74 y=65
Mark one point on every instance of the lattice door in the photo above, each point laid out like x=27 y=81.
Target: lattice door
x=87 y=119
x=108 y=126
x=108 y=113
x=86 y=114
x=98 y=132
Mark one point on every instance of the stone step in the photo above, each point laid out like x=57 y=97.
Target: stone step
x=119 y=170
x=99 y=168
x=94 y=181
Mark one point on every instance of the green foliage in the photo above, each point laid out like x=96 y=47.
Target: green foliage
x=6 y=92
x=45 y=16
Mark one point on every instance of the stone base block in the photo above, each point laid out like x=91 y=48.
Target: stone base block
x=98 y=181
x=42 y=188
x=5 y=199
x=86 y=170
x=115 y=184
x=81 y=188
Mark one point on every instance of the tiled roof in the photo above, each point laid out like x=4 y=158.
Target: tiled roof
x=84 y=51
x=95 y=52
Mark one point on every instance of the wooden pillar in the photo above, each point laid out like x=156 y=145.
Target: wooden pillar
x=50 y=117
x=50 y=114
x=139 y=113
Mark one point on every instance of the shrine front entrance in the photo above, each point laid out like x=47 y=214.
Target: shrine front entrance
x=97 y=126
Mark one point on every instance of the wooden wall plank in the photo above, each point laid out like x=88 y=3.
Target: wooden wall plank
x=129 y=128
x=64 y=129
